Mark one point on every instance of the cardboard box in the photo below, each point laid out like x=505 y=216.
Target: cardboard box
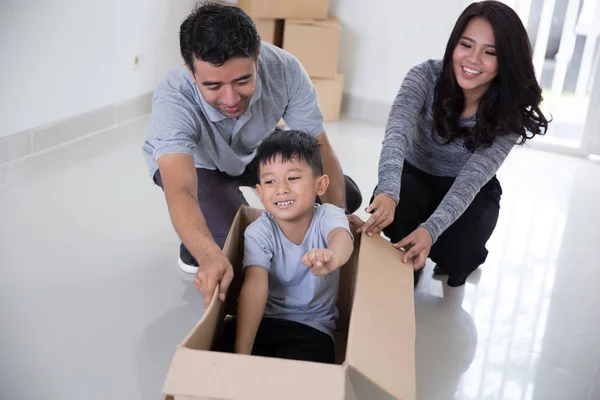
x=330 y=92
x=270 y=30
x=375 y=338
x=301 y=9
x=315 y=44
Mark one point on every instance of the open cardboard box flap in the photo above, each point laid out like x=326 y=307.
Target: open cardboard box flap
x=375 y=338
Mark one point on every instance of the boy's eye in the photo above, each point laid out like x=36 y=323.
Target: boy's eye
x=269 y=182
x=244 y=83
x=293 y=178
x=214 y=88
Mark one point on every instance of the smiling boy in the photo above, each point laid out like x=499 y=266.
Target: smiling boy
x=292 y=254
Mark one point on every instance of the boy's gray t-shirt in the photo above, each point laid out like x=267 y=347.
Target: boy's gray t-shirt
x=294 y=292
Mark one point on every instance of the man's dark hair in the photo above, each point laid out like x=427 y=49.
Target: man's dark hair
x=215 y=33
x=291 y=145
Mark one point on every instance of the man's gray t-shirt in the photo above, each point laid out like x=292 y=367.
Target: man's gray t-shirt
x=183 y=122
x=294 y=292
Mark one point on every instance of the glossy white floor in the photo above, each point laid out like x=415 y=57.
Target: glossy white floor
x=92 y=303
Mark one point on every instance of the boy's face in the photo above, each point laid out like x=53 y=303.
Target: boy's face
x=288 y=189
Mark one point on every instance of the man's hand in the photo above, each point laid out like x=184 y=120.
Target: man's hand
x=384 y=209
x=419 y=244
x=355 y=223
x=321 y=261
x=214 y=268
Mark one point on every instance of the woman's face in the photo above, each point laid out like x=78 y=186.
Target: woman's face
x=474 y=60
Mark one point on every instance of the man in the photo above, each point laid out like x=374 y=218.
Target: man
x=209 y=116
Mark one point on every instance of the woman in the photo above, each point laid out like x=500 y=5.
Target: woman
x=451 y=126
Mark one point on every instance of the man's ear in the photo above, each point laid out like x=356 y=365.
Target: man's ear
x=191 y=72
x=322 y=184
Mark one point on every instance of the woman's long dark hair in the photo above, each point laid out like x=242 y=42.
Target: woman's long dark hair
x=511 y=103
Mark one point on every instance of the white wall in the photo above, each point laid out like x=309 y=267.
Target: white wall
x=59 y=58
x=382 y=40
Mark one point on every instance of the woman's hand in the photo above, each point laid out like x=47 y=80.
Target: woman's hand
x=383 y=208
x=419 y=244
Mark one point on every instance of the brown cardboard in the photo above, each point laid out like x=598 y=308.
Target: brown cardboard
x=376 y=316
x=305 y=9
x=315 y=44
x=270 y=30
x=329 y=93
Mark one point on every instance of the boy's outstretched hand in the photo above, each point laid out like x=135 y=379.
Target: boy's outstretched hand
x=321 y=261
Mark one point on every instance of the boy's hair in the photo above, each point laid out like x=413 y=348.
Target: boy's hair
x=215 y=33
x=291 y=145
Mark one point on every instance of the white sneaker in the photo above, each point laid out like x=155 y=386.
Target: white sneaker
x=190 y=269
x=186 y=261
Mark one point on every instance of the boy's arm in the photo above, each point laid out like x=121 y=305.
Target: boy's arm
x=341 y=245
x=251 y=306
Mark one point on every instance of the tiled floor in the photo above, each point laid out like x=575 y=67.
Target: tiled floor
x=92 y=303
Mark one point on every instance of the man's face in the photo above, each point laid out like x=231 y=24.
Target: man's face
x=229 y=87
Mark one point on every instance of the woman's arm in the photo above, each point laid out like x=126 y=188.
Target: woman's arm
x=416 y=91
x=417 y=86
x=478 y=170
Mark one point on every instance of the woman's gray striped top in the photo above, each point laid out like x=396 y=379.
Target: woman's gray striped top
x=409 y=136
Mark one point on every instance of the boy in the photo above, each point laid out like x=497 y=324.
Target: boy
x=292 y=254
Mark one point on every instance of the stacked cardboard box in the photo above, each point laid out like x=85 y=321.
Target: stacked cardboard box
x=269 y=28
x=285 y=9
x=316 y=45
x=303 y=28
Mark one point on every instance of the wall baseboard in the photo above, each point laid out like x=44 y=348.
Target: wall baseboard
x=31 y=142
x=28 y=143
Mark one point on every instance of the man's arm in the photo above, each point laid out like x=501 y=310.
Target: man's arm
x=180 y=184
x=336 y=192
x=251 y=307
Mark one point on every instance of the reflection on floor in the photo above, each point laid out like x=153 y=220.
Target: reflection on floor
x=92 y=303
